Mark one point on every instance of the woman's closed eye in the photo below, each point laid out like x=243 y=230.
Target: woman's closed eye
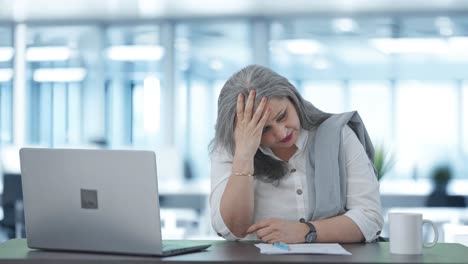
x=282 y=116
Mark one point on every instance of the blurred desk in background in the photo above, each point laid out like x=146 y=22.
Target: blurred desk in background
x=189 y=194
x=406 y=200
x=185 y=209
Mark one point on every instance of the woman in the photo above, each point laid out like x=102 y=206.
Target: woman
x=284 y=171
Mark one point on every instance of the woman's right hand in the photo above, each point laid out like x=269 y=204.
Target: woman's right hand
x=249 y=126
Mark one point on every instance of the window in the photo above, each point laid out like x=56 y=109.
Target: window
x=426 y=126
x=134 y=86
x=207 y=54
x=327 y=96
x=63 y=85
x=6 y=76
x=146 y=111
x=464 y=118
x=373 y=101
x=110 y=82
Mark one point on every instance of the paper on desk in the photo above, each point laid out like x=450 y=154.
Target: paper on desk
x=314 y=248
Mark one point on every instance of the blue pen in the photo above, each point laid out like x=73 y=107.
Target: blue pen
x=281 y=245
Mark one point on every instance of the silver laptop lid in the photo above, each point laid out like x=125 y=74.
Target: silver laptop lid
x=91 y=200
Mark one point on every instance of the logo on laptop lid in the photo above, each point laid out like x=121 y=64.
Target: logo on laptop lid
x=89 y=199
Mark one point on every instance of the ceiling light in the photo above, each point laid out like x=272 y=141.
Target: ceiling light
x=410 y=45
x=6 y=53
x=6 y=75
x=48 y=54
x=344 y=25
x=135 y=53
x=59 y=75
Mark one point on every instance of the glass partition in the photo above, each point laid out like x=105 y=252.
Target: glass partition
x=134 y=85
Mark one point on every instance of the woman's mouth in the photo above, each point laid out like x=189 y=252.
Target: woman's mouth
x=287 y=139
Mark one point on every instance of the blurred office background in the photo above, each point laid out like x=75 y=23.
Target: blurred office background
x=146 y=75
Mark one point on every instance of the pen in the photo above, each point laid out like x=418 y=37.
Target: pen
x=281 y=245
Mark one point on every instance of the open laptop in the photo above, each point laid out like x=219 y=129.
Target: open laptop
x=94 y=200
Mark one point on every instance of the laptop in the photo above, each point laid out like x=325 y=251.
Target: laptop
x=96 y=201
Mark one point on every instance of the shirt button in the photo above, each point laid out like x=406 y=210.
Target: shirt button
x=293 y=170
x=302 y=220
x=298 y=191
x=219 y=234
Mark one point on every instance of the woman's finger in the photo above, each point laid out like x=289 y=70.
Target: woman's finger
x=263 y=120
x=249 y=106
x=271 y=238
x=259 y=111
x=257 y=226
x=263 y=232
x=240 y=107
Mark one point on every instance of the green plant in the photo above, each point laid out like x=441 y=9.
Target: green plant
x=383 y=161
x=442 y=174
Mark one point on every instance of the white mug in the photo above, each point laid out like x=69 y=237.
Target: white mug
x=406 y=233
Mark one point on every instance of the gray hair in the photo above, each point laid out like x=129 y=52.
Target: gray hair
x=269 y=84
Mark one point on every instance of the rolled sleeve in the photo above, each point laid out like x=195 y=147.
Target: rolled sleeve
x=221 y=166
x=363 y=197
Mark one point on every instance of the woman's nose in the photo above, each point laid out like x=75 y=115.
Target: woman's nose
x=279 y=132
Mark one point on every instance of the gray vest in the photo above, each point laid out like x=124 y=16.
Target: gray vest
x=326 y=167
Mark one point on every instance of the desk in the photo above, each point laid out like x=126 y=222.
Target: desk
x=16 y=251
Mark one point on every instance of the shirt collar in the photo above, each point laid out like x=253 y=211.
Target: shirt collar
x=300 y=144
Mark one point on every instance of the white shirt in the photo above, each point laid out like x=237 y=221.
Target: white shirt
x=290 y=200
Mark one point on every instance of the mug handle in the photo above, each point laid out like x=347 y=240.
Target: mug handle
x=436 y=234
